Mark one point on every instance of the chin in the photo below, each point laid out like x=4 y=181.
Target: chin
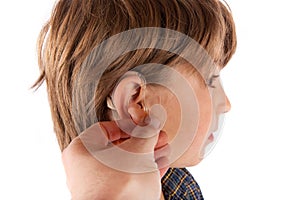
x=194 y=162
x=187 y=162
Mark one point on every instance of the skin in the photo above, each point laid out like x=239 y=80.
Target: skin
x=207 y=115
x=87 y=178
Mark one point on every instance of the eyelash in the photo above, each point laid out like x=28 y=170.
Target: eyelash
x=211 y=80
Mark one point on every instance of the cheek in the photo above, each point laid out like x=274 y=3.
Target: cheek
x=205 y=118
x=203 y=128
x=173 y=119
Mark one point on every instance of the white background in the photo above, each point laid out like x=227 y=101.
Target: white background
x=259 y=151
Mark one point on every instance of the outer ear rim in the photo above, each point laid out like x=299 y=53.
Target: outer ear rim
x=125 y=89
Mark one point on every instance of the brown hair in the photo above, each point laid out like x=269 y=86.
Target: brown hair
x=76 y=27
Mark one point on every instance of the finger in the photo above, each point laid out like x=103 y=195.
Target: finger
x=139 y=145
x=102 y=133
x=149 y=131
x=154 y=121
x=94 y=138
x=122 y=159
x=144 y=138
x=136 y=154
x=112 y=130
x=134 y=130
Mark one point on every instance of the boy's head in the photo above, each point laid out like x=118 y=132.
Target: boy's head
x=76 y=27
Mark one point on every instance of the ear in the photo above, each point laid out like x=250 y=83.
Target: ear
x=128 y=97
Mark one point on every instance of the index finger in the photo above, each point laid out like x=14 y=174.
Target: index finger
x=112 y=131
x=100 y=135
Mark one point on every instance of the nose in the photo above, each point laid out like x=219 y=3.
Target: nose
x=227 y=105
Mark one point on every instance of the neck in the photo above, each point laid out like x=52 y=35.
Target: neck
x=162 y=196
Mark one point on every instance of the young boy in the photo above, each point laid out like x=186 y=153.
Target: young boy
x=93 y=55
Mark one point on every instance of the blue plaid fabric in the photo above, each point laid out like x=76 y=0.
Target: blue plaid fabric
x=179 y=184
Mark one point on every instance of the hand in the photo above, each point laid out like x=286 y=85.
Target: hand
x=92 y=163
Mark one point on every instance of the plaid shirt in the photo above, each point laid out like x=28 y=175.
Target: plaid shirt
x=179 y=184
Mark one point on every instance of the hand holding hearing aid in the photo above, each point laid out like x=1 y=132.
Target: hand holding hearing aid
x=122 y=159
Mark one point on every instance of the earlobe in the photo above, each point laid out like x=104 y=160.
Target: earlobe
x=128 y=97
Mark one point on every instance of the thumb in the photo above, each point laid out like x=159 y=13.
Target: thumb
x=145 y=138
